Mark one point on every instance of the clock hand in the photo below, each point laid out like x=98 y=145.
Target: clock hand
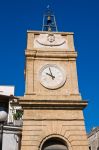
x=51 y=75
x=50 y=71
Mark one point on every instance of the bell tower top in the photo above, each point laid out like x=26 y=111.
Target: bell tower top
x=49 y=22
x=51 y=63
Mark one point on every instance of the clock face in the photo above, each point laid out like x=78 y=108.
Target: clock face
x=52 y=77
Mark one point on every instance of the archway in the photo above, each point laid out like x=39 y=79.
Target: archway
x=54 y=144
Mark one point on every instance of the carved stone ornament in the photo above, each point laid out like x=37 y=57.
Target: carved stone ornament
x=51 y=40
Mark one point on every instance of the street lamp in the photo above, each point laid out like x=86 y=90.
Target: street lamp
x=3 y=118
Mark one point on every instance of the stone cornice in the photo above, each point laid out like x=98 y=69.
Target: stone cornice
x=53 y=104
x=50 y=54
x=93 y=132
x=46 y=32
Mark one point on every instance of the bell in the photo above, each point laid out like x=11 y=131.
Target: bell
x=49 y=18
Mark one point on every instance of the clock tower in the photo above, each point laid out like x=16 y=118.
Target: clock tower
x=53 y=117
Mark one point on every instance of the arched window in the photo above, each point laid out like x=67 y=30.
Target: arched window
x=54 y=144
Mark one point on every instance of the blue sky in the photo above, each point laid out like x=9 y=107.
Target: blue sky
x=80 y=17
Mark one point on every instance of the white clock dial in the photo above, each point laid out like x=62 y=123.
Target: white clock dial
x=52 y=77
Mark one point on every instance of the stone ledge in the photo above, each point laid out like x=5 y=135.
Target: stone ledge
x=47 y=32
x=53 y=54
x=53 y=104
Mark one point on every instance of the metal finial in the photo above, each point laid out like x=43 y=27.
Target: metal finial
x=48 y=6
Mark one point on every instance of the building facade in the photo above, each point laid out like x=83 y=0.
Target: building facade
x=6 y=99
x=10 y=131
x=53 y=107
x=11 y=137
x=53 y=116
x=93 y=139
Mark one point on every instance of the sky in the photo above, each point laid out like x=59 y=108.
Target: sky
x=78 y=16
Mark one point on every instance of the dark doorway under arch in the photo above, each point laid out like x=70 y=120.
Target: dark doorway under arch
x=54 y=144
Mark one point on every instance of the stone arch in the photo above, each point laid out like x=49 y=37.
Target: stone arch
x=54 y=142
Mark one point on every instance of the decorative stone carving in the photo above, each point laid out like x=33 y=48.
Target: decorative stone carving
x=50 y=40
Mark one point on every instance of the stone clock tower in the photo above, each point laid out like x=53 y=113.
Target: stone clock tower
x=53 y=117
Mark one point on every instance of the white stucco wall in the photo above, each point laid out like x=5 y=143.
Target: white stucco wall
x=11 y=138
